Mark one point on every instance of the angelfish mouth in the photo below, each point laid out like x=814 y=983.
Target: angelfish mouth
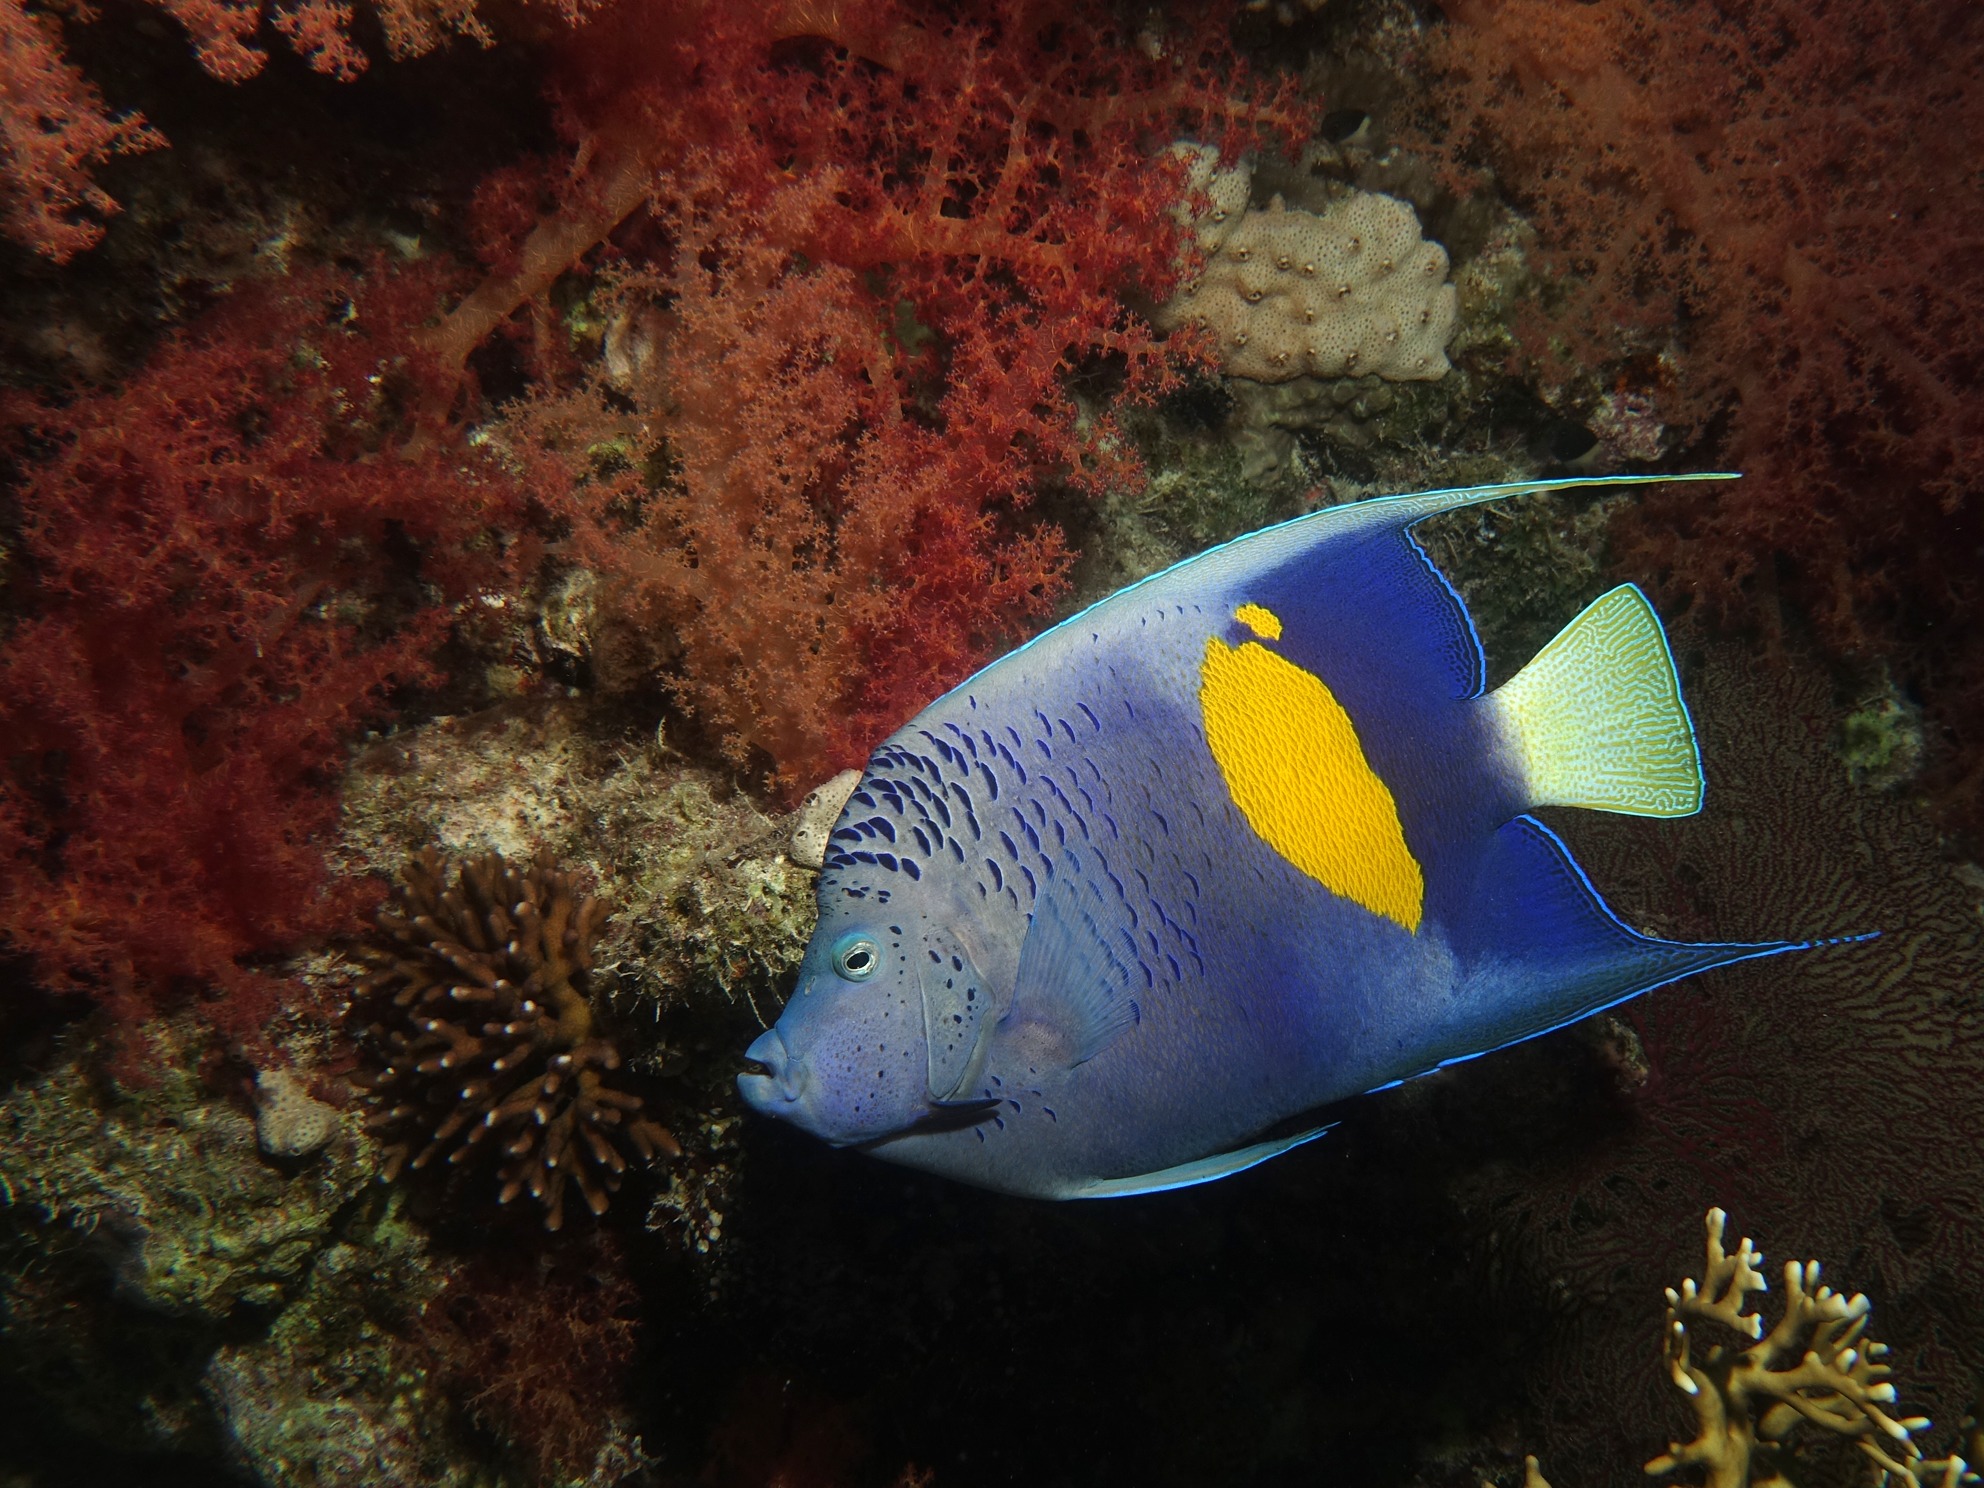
x=770 y=1076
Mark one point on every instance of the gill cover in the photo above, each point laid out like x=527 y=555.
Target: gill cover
x=957 y=1011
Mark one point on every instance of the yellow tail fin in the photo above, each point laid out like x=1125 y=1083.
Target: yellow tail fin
x=1596 y=718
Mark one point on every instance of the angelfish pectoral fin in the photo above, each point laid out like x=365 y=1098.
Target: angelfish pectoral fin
x=1205 y=1170
x=948 y=1116
x=1072 y=981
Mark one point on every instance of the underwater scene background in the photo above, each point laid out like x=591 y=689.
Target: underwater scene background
x=486 y=459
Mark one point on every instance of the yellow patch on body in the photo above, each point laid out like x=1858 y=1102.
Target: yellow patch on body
x=1293 y=765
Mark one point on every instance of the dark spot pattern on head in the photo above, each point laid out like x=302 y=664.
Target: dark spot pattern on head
x=903 y=808
x=926 y=791
x=1011 y=760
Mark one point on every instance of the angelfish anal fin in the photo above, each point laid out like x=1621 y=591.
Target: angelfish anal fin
x=1205 y=1170
x=1071 y=978
x=1542 y=949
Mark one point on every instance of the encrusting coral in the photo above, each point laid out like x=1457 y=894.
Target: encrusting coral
x=478 y=1026
x=1352 y=291
x=704 y=900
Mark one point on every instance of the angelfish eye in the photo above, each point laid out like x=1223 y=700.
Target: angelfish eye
x=856 y=957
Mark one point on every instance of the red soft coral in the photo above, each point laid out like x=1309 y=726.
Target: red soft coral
x=54 y=130
x=539 y=1344
x=878 y=250
x=230 y=568
x=1768 y=213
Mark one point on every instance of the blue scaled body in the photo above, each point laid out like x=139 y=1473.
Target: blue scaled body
x=1244 y=839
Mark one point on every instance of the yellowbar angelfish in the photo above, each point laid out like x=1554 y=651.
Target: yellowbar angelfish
x=1244 y=839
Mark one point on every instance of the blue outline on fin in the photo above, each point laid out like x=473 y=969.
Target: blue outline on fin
x=1202 y=1170
x=1479 y=687
x=1750 y=951
x=1687 y=717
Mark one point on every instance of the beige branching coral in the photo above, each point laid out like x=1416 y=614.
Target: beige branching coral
x=1815 y=1366
x=477 y=1026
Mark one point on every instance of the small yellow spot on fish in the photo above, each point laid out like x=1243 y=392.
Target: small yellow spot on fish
x=1263 y=622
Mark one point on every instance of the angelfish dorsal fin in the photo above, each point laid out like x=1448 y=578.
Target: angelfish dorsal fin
x=1596 y=718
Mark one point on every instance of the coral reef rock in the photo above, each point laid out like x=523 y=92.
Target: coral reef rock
x=1353 y=291
x=477 y=1027
x=166 y=1288
x=329 y=1396
x=170 y=1183
x=289 y=1120
x=705 y=897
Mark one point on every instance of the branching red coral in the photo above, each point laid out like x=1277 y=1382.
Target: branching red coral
x=55 y=127
x=877 y=249
x=539 y=1343
x=54 y=130
x=231 y=566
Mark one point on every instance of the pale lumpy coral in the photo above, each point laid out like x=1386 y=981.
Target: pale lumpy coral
x=1352 y=291
x=289 y=1120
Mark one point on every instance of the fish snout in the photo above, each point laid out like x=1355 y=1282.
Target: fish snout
x=779 y=1077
